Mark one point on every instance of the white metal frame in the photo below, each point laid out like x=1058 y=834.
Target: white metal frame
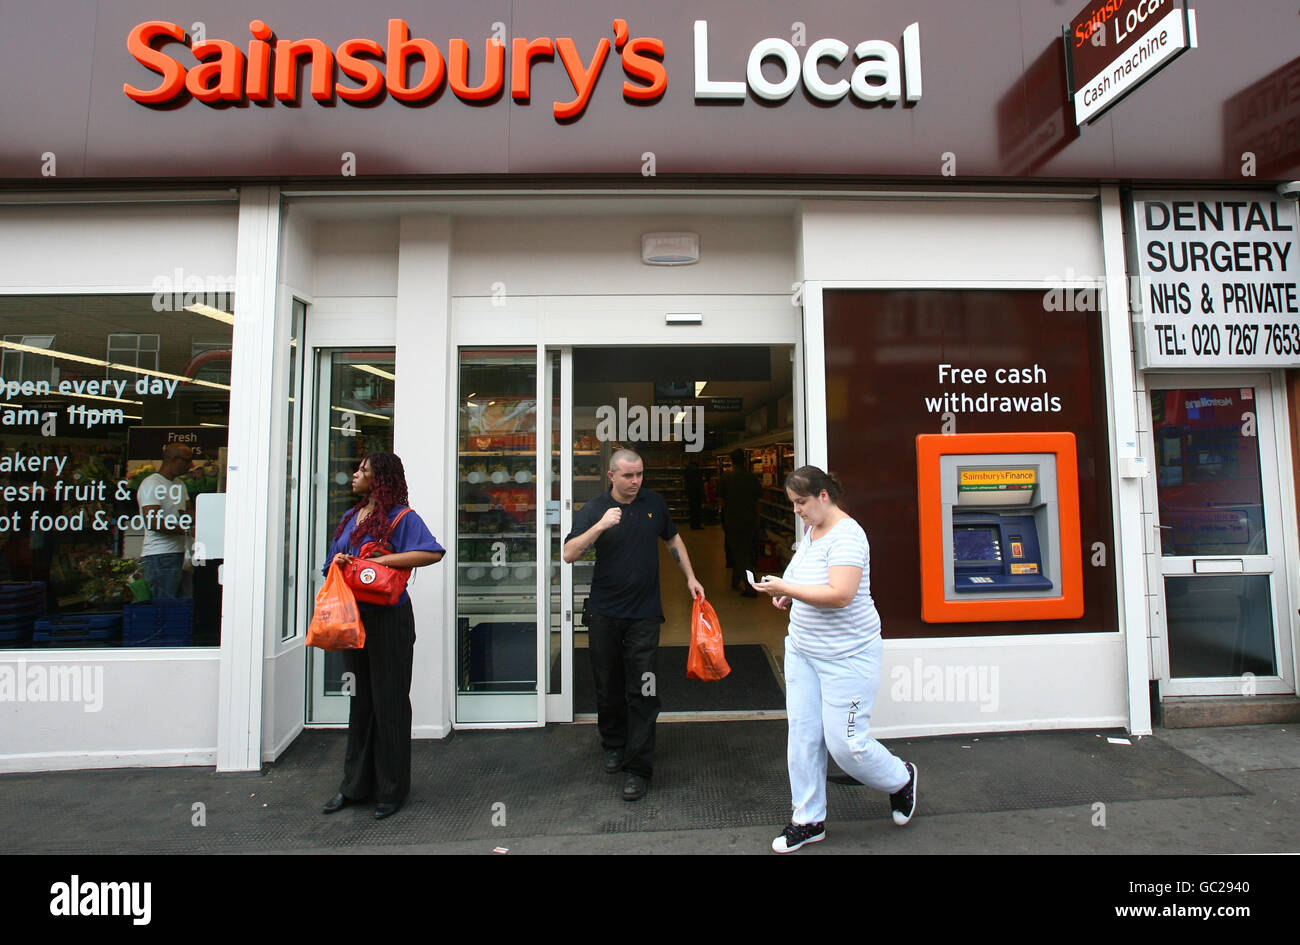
x=1276 y=485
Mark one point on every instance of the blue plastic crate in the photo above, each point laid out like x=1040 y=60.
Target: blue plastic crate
x=22 y=600
x=159 y=622
x=77 y=629
x=16 y=636
x=9 y=589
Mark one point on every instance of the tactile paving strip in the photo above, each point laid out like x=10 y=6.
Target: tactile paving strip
x=548 y=782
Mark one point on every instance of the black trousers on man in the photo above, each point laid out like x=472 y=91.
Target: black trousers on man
x=623 y=652
x=378 y=759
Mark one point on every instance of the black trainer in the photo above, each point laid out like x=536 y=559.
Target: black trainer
x=903 y=801
x=796 y=835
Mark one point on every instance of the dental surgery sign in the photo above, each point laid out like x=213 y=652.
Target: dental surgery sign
x=1115 y=45
x=1217 y=275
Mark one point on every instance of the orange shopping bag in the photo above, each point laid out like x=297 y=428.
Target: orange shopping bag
x=336 y=622
x=706 y=660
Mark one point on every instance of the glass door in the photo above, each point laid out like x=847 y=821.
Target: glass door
x=501 y=631
x=352 y=418
x=1227 y=621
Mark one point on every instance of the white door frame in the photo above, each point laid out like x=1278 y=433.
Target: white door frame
x=1277 y=494
x=330 y=324
x=551 y=323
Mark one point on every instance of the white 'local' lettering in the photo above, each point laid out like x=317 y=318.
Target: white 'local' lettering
x=1135 y=18
x=878 y=77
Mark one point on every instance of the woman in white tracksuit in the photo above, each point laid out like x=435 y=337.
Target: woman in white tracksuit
x=832 y=661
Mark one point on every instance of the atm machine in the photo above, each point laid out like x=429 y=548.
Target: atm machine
x=999 y=520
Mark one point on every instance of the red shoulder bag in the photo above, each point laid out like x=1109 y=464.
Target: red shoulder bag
x=373 y=583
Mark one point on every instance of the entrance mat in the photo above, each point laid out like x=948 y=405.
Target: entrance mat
x=751 y=684
x=707 y=775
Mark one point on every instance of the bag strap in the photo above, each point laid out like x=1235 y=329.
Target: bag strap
x=393 y=524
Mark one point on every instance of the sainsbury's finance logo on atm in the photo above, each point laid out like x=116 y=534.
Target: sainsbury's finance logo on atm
x=951 y=684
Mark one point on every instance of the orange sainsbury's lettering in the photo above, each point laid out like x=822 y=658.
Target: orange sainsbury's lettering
x=360 y=70
x=494 y=65
x=638 y=65
x=525 y=51
x=139 y=43
x=582 y=77
x=1098 y=20
x=354 y=67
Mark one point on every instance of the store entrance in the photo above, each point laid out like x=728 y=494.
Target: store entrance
x=546 y=388
x=715 y=427
x=687 y=412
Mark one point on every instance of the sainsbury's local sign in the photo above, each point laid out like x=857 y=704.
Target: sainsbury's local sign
x=1116 y=45
x=415 y=69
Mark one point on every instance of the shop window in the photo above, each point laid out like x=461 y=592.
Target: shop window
x=113 y=439
x=900 y=363
x=135 y=350
x=24 y=366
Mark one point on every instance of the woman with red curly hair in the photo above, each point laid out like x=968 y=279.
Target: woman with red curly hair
x=378 y=760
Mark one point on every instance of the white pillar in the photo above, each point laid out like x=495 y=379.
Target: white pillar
x=1120 y=387
x=424 y=397
x=250 y=484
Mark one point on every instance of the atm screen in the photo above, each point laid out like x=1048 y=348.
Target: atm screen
x=974 y=543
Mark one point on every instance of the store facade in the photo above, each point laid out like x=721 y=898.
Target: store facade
x=573 y=263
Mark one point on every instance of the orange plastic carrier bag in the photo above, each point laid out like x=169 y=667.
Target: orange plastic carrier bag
x=336 y=622
x=706 y=660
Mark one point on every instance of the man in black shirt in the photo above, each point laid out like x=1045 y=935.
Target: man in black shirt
x=623 y=612
x=739 y=491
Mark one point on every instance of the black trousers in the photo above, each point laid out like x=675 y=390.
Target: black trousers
x=741 y=553
x=623 y=651
x=378 y=760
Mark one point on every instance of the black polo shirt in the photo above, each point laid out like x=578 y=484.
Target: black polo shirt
x=626 y=579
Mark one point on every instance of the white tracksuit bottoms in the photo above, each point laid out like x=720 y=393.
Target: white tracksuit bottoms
x=828 y=706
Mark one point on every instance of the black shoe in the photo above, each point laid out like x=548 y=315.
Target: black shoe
x=903 y=801
x=634 y=787
x=336 y=804
x=796 y=835
x=383 y=810
x=613 y=761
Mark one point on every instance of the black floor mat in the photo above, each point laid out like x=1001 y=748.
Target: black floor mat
x=751 y=685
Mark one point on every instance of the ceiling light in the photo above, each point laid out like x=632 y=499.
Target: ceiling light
x=371 y=369
x=207 y=311
x=82 y=359
x=362 y=413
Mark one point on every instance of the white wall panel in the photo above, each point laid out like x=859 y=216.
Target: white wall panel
x=154 y=708
x=602 y=256
x=87 y=248
x=354 y=257
x=950 y=240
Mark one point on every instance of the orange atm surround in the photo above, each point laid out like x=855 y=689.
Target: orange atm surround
x=936 y=606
